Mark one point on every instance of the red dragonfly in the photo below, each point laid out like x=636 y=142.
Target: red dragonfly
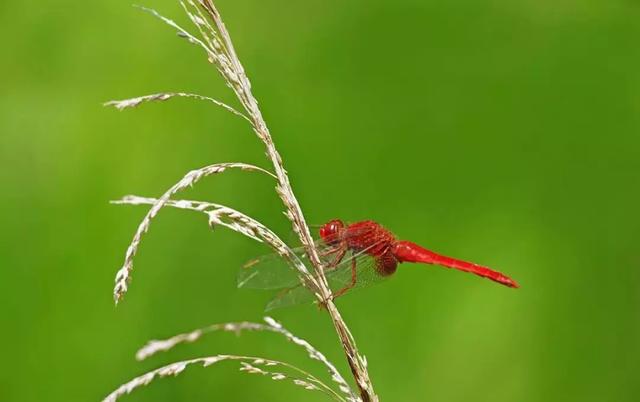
x=374 y=255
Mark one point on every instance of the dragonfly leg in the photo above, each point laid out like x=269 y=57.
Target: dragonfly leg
x=353 y=280
x=338 y=250
x=341 y=251
x=328 y=251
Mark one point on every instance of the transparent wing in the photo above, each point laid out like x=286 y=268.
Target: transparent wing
x=272 y=272
x=269 y=272
x=290 y=297
x=356 y=271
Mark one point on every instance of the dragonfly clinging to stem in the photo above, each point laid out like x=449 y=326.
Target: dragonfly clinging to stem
x=354 y=255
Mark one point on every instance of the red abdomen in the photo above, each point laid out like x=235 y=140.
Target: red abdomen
x=406 y=251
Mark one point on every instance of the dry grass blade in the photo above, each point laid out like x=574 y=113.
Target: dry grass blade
x=217 y=44
x=314 y=354
x=228 y=217
x=163 y=96
x=239 y=82
x=124 y=274
x=216 y=52
x=221 y=52
x=155 y=346
x=304 y=379
x=181 y=31
x=310 y=383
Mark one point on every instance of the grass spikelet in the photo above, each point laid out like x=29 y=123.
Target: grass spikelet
x=234 y=220
x=123 y=276
x=248 y=364
x=271 y=325
x=163 y=96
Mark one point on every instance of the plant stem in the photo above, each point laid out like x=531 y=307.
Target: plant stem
x=242 y=87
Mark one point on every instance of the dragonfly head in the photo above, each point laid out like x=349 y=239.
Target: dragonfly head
x=331 y=231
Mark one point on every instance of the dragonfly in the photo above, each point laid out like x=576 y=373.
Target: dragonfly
x=353 y=255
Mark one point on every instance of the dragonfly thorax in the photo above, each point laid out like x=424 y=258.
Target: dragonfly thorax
x=368 y=236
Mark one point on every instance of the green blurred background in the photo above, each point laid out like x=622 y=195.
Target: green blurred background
x=500 y=131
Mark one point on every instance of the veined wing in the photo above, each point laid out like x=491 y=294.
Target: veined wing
x=355 y=271
x=271 y=271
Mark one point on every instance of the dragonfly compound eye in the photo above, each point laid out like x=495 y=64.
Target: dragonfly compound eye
x=330 y=231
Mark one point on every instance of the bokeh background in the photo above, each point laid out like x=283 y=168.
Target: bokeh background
x=500 y=131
